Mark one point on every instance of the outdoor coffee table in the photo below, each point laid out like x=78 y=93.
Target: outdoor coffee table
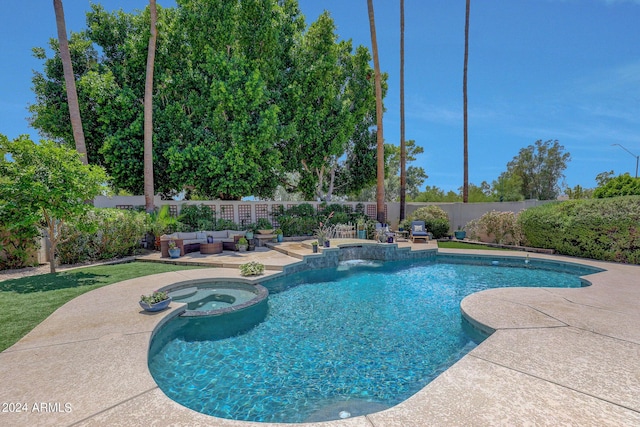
x=211 y=248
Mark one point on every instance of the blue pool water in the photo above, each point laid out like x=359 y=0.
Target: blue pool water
x=335 y=343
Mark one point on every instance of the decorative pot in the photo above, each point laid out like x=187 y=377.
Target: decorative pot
x=390 y=239
x=174 y=253
x=460 y=234
x=243 y=248
x=362 y=234
x=280 y=237
x=327 y=243
x=249 y=235
x=314 y=248
x=155 y=307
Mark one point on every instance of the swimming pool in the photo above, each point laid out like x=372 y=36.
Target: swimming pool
x=335 y=343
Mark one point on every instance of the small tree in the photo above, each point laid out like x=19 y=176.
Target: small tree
x=48 y=183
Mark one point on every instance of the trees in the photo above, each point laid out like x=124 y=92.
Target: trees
x=47 y=183
x=70 y=82
x=465 y=186
x=379 y=134
x=148 y=110
x=622 y=185
x=539 y=167
x=332 y=105
x=230 y=82
x=415 y=175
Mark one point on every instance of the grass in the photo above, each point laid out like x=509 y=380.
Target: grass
x=27 y=301
x=462 y=245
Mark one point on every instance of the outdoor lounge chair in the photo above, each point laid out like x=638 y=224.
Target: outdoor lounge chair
x=418 y=231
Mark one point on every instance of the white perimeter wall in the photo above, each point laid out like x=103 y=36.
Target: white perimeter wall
x=245 y=212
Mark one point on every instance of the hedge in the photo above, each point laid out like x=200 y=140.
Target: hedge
x=603 y=229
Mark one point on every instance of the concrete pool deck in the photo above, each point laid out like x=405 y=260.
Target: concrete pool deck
x=558 y=357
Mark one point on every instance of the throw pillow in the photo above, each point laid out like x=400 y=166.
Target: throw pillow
x=209 y=239
x=417 y=228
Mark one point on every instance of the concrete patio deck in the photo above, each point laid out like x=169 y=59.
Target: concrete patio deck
x=558 y=357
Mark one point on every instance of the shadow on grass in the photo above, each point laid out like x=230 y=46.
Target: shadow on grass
x=51 y=282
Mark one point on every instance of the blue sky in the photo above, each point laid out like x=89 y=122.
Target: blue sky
x=538 y=69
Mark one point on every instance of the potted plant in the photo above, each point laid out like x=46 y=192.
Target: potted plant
x=251 y=228
x=324 y=232
x=361 y=228
x=460 y=233
x=314 y=247
x=252 y=268
x=278 y=233
x=158 y=300
x=174 y=250
x=243 y=244
x=263 y=226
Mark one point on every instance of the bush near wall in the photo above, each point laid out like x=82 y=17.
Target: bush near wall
x=604 y=229
x=18 y=246
x=496 y=227
x=103 y=234
x=435 y=219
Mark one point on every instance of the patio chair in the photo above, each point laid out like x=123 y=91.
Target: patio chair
x=418 y=231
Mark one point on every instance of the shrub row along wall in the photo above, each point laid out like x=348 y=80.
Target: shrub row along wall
x=604 y=229
x=246 y=212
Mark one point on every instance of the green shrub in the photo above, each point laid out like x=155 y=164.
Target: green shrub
x=435 y=219
x=605 y=229
x=197 y=217
x=496 y=227
x=102 y=234
x=251 y=268
x=623 y=185
x=18 y=246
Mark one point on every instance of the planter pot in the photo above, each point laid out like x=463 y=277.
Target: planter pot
x=249 y=235
x=280 y=237
x=327 y=243
x=174 y=253
x=460 y=235
x=251 y=247
x=314 y=248
x=157 y=306
x=243 y=248
x=362 y=234
x=390 y=239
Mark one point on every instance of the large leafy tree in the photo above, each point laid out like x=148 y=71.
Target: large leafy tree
x=48 y=184
x=622 y=185
x=333 y=108
x=415 y=175
x=540 y=169
x=226 y=97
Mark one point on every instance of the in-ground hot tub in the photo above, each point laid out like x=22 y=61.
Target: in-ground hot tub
x=217 y=298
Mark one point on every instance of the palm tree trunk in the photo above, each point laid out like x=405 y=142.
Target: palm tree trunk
x=403 y=149
x=70 y=82
x=379 y=136
x=148 y=112
x=465 y=187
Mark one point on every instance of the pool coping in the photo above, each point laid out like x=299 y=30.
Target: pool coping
x=558 y=356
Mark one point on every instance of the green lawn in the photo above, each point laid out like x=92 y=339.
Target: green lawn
x=452 y=244
x=26 y=302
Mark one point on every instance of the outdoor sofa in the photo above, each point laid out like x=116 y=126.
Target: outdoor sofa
x=191 y=241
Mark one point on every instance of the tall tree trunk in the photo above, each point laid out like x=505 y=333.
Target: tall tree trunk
x=379 y=139
x=70 y=82
x=148 y=112
x=403 y=149
x=465 y=186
